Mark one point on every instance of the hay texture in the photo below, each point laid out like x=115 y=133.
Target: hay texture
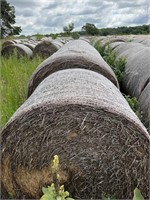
x=30 y=45
x=21 y=50
x=144 y=105
x=82 y=117
x=74 y=54
x=46 y=48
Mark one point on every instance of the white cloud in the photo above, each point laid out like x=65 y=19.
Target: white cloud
x=49 y=16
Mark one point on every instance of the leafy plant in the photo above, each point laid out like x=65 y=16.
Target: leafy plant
x=38 y=36
x=55 y=191
x=53 y=36
x=137 y=195
x=75 y=35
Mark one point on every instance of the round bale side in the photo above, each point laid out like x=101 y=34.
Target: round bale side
x=21 y=50
x=46 y=48
x=144 y=105
x=74 y=54
x=83 y=118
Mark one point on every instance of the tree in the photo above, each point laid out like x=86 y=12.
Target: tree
x=90 y=29
x=7 y=20
x=67 y=29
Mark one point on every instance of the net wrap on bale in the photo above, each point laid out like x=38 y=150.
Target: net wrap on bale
x=74 y=54
x=82 y=117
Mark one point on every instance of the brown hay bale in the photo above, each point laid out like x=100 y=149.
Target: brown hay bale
x=74 y=54
x=21 y=50
x=144 y=105
x=46 y=48
x=82 y=117
x=137 y=71
x=7 y=43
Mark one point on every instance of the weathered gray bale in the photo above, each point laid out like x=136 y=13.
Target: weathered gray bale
x=108 y=41
x=113 y=45
x=146 y=42
x=21 y=50
x=83 y=118
x=137 y=70
x=46 y=48
x=144 y=105
x=133 y=46
x=74 y=54
x=30 y=45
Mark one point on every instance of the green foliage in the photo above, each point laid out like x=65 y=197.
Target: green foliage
x=7 y=20
x=55 y=191
x=67 y=29
x=51 y=193
x=133 y=102
x=75 y=35
x=117 y=65
x=38 y=36
x=15 y=74
x=53 y=36
x=137 y=195
x=90 y=29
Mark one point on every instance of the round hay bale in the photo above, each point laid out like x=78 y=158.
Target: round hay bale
x=108 y=41
x=144 y=105
x=74 y=54
x=7 y=43
x=30 y=45
x=146 y=42
x=83 y=118
x=113 y=45
x=137 y=71
x=134 y=47
x=21 y=50
x=46 y=48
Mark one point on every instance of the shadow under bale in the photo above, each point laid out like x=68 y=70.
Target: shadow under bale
x=82 y=117
x=20 y=49
x=74 y=54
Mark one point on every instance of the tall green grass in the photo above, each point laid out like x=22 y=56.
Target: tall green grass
x=15 y=74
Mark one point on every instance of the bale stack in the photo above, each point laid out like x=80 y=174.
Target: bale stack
x=7 y=43
x=74 y=54
x=82 y=117
x=46 y=48
x=21 y=50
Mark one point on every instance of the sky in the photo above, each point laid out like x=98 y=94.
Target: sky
x=50 y=16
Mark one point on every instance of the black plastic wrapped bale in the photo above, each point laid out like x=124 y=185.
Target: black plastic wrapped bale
x=74 y=54
x=20 y=49
x=83 y=118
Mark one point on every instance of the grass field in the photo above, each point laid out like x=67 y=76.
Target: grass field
x=15 y=74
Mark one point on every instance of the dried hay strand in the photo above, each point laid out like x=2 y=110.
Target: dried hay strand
x=82 y=117
x=144 y=105
x=137 y=71
x=74 y=54
x=46 y=48
x=21 y=50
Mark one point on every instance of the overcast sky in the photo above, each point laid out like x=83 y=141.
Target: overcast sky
x=50 y=16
